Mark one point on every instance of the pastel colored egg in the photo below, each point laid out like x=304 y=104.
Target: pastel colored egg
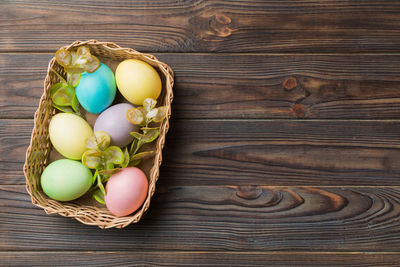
x=96 y=90
x=68 y=134
x=126 y=191
x=114 y=122
x=66 y=180
x=137 y=80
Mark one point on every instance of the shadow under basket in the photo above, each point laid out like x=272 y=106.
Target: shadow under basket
x=40 y=151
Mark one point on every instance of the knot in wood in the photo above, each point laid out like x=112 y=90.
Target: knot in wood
x=299 y=111
x=290 y=83
x=223 y=19
x=249 y=192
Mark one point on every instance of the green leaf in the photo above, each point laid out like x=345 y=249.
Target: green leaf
x=82 y=61
x=91 y=142
x=74 y=69
x=134 y=163
x=92 y=64
x=83 y=51
x=73 y=78
x=146 y=129
x=114 y=155
x=150 y=136
x=100 y=184
x=137 y=135
x=136 y=116
x=152 y=113
x=149 y=104
x=126 y=158
x=75 y=59
x=103 y=139
x=63 y=57
x=76 y=62
x=92 y=159
x=110 y=166
x=147 y=137
x=95 y=176
x=64 y=96
x=65 y=109
x=75 y=104
x=99 y=196
x=133 y=145
x=142 y=155
x=99 y=141
x=161 y=114
x=55 y=87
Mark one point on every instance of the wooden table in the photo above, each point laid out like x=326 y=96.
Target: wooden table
x=285 y=140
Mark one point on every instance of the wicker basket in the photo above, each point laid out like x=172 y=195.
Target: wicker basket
x=40 y=151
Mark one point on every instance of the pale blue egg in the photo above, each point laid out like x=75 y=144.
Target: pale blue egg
x=96 y=90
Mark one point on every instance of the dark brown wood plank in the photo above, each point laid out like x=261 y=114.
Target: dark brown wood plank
x=22 y=77
x=173 y=258
x=220 y=218
x=14 y=141
x=273 y=152
x=204 y=26
x=244 y=85
x=282 y=153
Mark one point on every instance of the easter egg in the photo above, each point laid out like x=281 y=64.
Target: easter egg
x=114 y=122
x=126 y=191
x=96 y=90
x=137 y=80
x=68 y=134
x=66 y=180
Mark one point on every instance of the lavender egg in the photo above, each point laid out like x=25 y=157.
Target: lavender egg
x=114 y=121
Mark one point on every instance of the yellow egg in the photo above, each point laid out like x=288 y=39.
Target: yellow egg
x=137 y=80
x=68 y=134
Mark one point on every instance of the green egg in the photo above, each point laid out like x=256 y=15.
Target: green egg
x=66 y=179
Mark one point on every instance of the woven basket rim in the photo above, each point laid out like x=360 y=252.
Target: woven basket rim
x=90 y=215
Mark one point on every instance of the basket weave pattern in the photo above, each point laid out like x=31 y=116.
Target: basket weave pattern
x=37 y=155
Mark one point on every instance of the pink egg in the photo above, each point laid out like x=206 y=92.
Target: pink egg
x=126 y=191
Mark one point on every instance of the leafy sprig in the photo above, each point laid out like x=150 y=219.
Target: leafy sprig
x=107 y=160
x=104 y=159
x=63 y=96
x=144 y=116
x=75 y=63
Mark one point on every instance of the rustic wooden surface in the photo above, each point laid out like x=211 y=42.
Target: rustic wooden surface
x=285 y=141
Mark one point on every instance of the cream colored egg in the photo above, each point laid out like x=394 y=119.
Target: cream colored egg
x=137 y=80
x=68 y=134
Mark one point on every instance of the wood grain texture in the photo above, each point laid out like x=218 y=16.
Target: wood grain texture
x=282 y=153
x=244 y=181
x=237 y=86
x=271 y=152
x=198 y=258
x=204 y=26
x=14 y=141
x=226 y=218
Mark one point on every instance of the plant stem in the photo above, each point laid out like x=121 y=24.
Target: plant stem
x=134 y=142
x=139 y=144
x=100 y=184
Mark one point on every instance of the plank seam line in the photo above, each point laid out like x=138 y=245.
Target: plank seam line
x=209 y=252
